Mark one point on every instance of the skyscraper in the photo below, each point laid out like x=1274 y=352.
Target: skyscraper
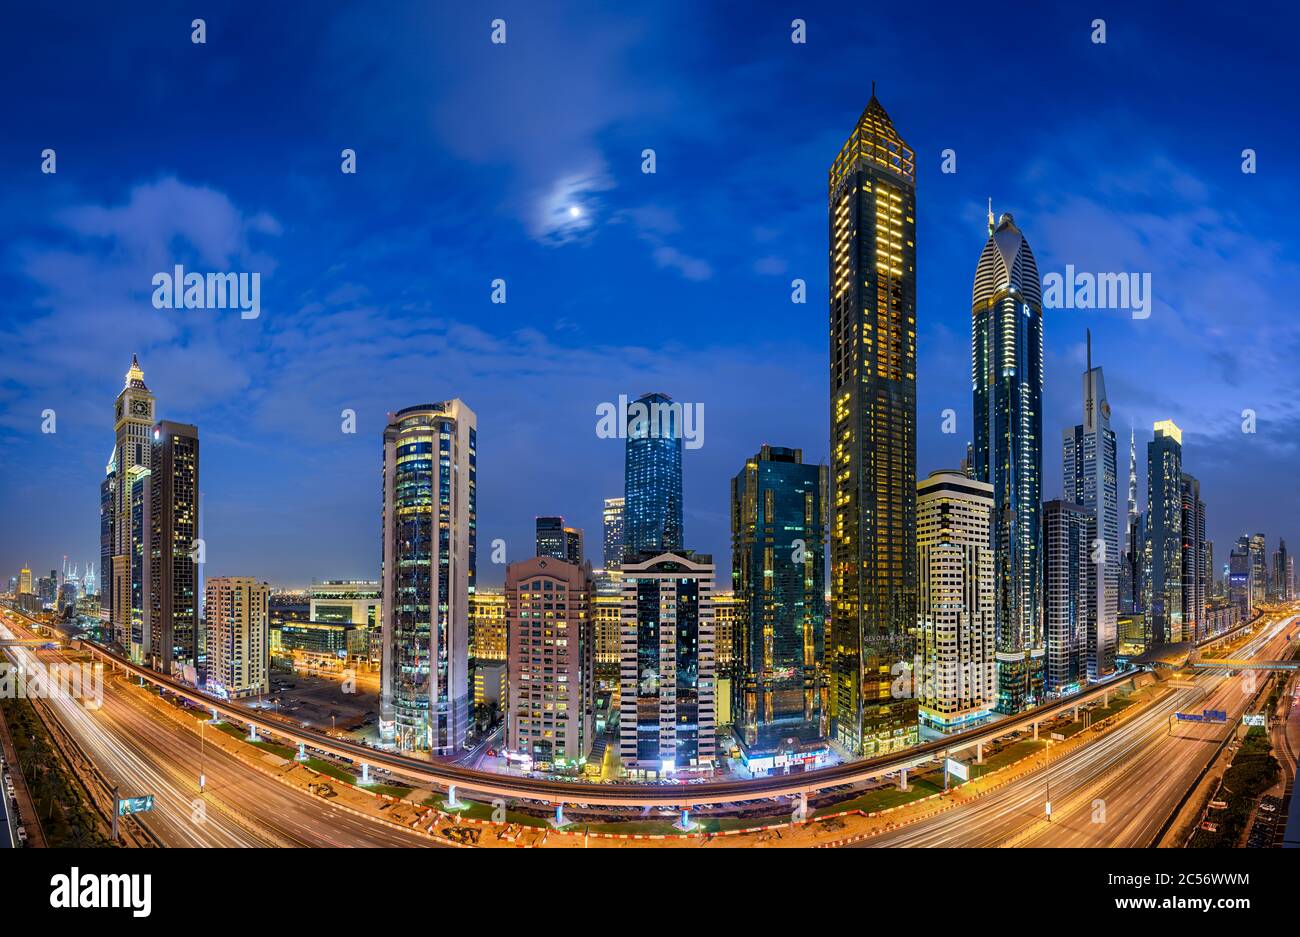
x=1165 y=531
x=1258 y=548
x=1281 y=573
x=778 y=573
x=550 y=537
x=955 y=670
x=652 y=477
x=1195 y=581
x=612 y=517
x=551 y=713
x=872 y=228
x=107 y=538
x=1067 y=580
x=133 y=423
x=1240 y=577
x=429 y=551
x=667 y=663
x=170 y=633
x=1090 y=481
x=1007 y=377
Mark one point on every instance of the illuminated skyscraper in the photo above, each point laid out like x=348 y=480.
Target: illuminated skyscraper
x=1165 y=532
x=429 y=547
x=1067 y=536
x=1090 y=481
x=1007 y=378
x=133 y=423
x=652 y=477
x=612 y=516
x=170 y=629
x=778 y=573
x=872 y=222
x=1194 y=580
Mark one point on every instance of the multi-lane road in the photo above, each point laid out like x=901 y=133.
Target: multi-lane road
x=144 y=752
x=1117 y=790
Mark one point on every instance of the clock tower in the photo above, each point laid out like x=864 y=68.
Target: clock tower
x=134 y=417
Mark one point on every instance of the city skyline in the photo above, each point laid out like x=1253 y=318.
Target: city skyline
x=245 y=383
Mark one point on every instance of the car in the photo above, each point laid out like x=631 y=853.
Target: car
x=1270 y=808
x=22 y=836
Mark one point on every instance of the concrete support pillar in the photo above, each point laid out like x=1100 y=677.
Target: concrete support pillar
x=979 y=753
x=1076 y=713
x=252 y=733
x=1035 y=732
x=902 y=780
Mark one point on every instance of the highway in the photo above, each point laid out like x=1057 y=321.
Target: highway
x=469 y=781
x=145 y=752
x=1128 y=780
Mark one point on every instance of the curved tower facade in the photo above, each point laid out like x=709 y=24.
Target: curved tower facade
x=429 y=545
x=1007 y=381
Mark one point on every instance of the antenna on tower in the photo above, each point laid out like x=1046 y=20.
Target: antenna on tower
x=990 y=215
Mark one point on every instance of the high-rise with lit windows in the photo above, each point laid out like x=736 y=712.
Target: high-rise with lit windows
x=1165 y=532
x=133 y=423
x=1007 y=378
x=778 y=572
x=429 y=546
x=652 y=476
x=550 y=719
x=955 y=677
x=872 y=221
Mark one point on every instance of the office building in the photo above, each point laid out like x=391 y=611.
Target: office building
x=1194 y=580
x=1007 y=376
x=550 y=719
x=667 y=664
x=778 y=573
x=487 y=625
x=612 y=518
x=133 y=425
x=171 y=631
x=955 y=671
x=1165 y=532
x=652 y=476
x=1259 y=584
x=872 y=271
x=429 y=544
x=1090 y=481
x=1067 y=577
x=237 y=617
x=556 y=540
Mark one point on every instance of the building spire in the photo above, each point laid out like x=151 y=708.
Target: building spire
x=135 y=375
x=990 y=216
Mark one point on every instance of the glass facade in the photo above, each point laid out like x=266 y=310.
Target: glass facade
x=1165 y=533
x=872 y=222
x=667 y=708
x=652 y=478
x=778 y=572
x=612 y=517
x=429 y=553
x=1007 y=379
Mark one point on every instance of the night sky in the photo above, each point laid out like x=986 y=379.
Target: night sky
x=523 y=161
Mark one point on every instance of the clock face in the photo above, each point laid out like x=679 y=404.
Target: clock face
x=140 y=407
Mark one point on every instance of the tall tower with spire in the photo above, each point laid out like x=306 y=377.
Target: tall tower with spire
x=1007 y=381
x=133 y=417
x=872 y=220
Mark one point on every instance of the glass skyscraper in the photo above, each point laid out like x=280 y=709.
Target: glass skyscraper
x=1007 y=379
x=612 y=518
x=1165 y=532
x=1090 y=476
x=778 y=573
x=872 y=233
x=652 y=477
x=429 y=545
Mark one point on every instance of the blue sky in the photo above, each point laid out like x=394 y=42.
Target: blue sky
x=376 y=286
